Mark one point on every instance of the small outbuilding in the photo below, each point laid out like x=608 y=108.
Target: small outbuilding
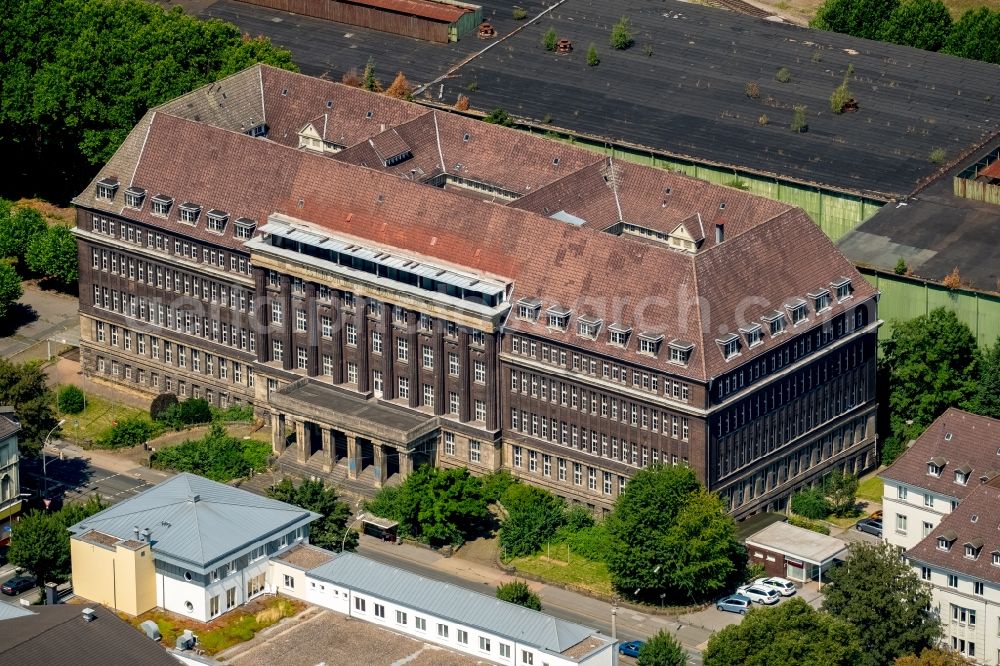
x=794 y=553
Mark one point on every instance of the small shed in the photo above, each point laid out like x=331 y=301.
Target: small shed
x=380 y=528
x=794 y=553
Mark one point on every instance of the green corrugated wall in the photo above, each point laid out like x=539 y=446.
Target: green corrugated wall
x=906 y=297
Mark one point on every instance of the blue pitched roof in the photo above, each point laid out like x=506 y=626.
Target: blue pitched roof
x=196 y=520
x=451 y=602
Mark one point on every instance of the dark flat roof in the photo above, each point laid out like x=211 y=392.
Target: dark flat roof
x=688 y=97
x=935 y=231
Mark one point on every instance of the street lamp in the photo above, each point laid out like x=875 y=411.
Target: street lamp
x=45 y=474
x=343 y=542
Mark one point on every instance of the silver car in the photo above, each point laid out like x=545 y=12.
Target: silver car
x=759 y=593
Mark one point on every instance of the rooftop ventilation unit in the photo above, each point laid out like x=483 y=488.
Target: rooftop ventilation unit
x=88 y=615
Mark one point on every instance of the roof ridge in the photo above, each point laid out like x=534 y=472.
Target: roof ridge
x=437 y=137
x=701 y=331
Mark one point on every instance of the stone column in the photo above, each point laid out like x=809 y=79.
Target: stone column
x=353 y=459
x=440 y=368
x=381 y=466
x=388 y=354
x=277 y=433
x=288 y=319
x=302 y=441
x=416 y=359
x=312 y=330
x=492 y=363
x=261 y=319
x=327 y=449
x=405 y=464
x=364 y=344
x=337 y=342
x=464 y=376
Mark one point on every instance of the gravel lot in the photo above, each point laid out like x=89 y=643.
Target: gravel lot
x=331 y=638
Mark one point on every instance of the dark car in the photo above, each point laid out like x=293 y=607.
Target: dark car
x=870 y=525
x=17 y=585
x=631 y=648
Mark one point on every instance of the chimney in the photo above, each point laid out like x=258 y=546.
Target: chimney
x=194 y=498
x=88 y=615
x=720 y=233
x=145 y=535
x=135 y=530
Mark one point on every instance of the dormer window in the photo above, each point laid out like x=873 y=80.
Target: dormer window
x=527 y=309
x=775 y=322
x=189 y=213
x=842 y=288
x=649 y=343
x=752 y=334
x=962 y=475
x=587 y=327
x=945 y=540
x=996 y=558
x=618 y=334
x=935 y=466
x=134 y=197
x=972 y=549
x=161 y=205
x=821 y=300
x=106 y=188
x=797 y=311
x=216 y=221
x=557 y=317
x=680 y=351
x=730 y=345
x=244 y=227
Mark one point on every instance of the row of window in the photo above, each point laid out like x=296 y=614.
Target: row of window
x=646 y=381
x=519 y=453
x=126 y=371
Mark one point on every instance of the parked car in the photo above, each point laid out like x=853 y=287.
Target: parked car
x=17 y=585
x=782 y=586
x=870 y=525
x=734 y=603
x=759 y=593
x=631 y=648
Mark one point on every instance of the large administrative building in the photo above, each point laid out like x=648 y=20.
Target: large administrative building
x=391 y=286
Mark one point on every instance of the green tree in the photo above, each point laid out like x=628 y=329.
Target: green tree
x=18 y=229
x=127 y=432
x=217 y=456
x=841 y=490
x=933 y=657
x=924 y=24
x=861 y=18
x=986 y=399
x=194 y=411
x=440 y=506
x=533 y=516
x=330 y=530
x=23 y=386
x=621 y=34
x=593 y=60
x=662 y=649
x=499 y=116
x=901 y=267
x=518 y=592
x=790 y=634
x=368 y=79
x=71 y=400
x=53 y=254
x=974 y=36
x=549 y=39
x=700 y=550
x=10 y=287
x=39 y=542
x=811 y=503
x=161 y=404
x=878 y=593
x=931 y=364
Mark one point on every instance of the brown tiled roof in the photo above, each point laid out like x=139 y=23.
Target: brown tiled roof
x=389 y=145
x=957 y=439
x=976 y=522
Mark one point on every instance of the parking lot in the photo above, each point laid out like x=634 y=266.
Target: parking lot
x=714 y=620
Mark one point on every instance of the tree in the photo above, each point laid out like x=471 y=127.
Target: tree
x=621 y=34
x=194 y=411
x=549 y=39
x=217 y=456
x=53 y=254
x=931 y=364
x=368 y=79
x=593 y=60
x=128 y=432
x=671 y=537
x=799 y=121
x=662 y=649
x=518 y=592
x=18 y=229
x=986 y=399
x=924 y=24
x=533 y=516
x=839 y=98
x=71 y=400
x=24 y=387
x=330 y=530
x=811 y=503
x=901 y=267
x=933 y=657
x=440 y=506
x=161 y=404
x=400 y=88
x=841 y=490
x=878 y=593
x=39 y=542
x=974 y=36
x=499 y=116
x=861 y=18
x=10 y=287
x=791 y=634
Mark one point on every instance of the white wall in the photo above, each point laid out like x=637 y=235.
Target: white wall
x=987 y=607
x=914 y=508
x=173 y=595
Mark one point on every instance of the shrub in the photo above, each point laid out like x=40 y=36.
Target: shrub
x=233 y=414
x=549 y=39
x=473 y=86
x=901 y=267
x=385 y=504
x=593 y=60
x=783 y=75
x=127 y=433
x=751 y=89
x=462 y=103
x=518 y=592
x=763 y=120
x=400 y=88
x=647 y=50
x=937 y=155
x=499 y=116
x=807 y=524
x=495 y=484
x=753 y=571
x=519 y=14
x=799 y=122
x=194 y=411
x=839 y=98
x=817 y=56
x=161 y=404
x=953 y=280
x=621 y=34
x=216 y=456
x=578 y=518
x=351 y=78
x=71 y=400
x=811 y=503
x=593 y=543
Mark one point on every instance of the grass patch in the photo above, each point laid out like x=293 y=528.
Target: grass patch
x=847 y=521
x=870 y=489
x=559 y=565
x=98 y=417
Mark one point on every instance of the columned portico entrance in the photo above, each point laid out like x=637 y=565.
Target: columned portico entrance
x=373 y=441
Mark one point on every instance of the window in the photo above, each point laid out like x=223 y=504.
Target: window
x=527 y=309
x=900 y=524
x=680 y=352
x=961 y=476
x=504 y=650
x=484 y=643
x=996 y=558
x=352 y=372
x=376 y=342
x=216 y=220
x=821 y=300
x=449 y=443
x=843 y=289
x=428 y=395
x=443 y=630
x=453 y=364
x=380 y=611
x=453 y=402
x=289 y=582
x=420 y=623
x=189 y=213
x=400 y=617
x=244 y=227
x=213 y=606
x=106 y=188
x=527 y=657
x=587 y=327
x=775 y=323
x=276 y=314
x=972 y=549
x=557 y=317
x=927 y=527
x=277 y=350
x=352 y=334
x=901 y=492
x=359 y=604
x=427 y=357
x=300 y=320
x=403 y=388
x=952 y=580
x=402 y=349
x=326 y=325
x=730 y=345
x=925 y=573
x=134 y=197
x=479 y=367
x=517 y=455
x=618 y=335
x=649 y=344
x=797 y=311
x=474 y=451
x=302 y=358
x=230 y=598
x=928 y=499
x=463 y=636
x=978 y=587
x=963 y=615
x=934 y=469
